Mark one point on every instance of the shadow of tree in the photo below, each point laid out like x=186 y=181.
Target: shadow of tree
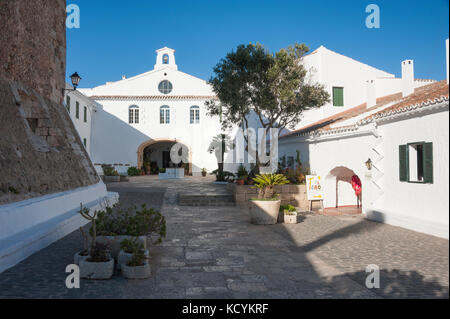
x=398 y=284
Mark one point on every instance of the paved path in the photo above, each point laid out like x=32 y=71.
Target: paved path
x=217 y=253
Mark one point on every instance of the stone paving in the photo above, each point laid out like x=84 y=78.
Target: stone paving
x=214 y=252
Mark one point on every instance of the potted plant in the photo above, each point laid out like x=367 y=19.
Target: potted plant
x=81 y=255
x=142 y=223
x=111 y=175
x=242 y=175
x=138 y=267
x=204 y=172
x=290 y=214
x=133 y=171
x=264 y=210
x=147 y=167
x=128 y=248
x=99 y=264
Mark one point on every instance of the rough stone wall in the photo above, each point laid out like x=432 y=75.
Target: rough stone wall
x=33 y=44
x=40 y=150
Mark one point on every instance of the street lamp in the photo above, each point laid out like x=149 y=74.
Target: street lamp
x=75 y=78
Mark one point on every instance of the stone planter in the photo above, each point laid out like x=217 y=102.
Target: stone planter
x=113 y=242
x=264 y=212
x=139 y=272
x=112 y=179
x=77 y=258
x=290 y=219
x=93 y=270
x=125 y=257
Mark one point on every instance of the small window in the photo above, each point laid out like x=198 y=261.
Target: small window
x=165 y=87
x=338 y=96
x=85 y=114
x=84 y=142
x=77 y=110
x=195 y=114
x=165 y=59
x=416 y=162
x=164 y=115
x=68 y=103
x=133 y=114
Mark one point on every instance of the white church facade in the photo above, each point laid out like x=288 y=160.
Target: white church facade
x=142 y=117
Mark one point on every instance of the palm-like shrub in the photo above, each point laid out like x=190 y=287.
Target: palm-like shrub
x=265 y=184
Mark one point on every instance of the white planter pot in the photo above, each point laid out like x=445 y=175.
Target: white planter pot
x=77 y=258
x=112 y=179
x=139 y=272
x=124 y=258
x=290 y=219
x=264 y=212
x=92 y=270
x=113 y=242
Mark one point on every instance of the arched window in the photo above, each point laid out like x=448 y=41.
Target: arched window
x=195 y=114
x=165 y=59
x=164 y=114
x=133 y=114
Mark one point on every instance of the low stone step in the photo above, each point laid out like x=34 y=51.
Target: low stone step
x=206 y=200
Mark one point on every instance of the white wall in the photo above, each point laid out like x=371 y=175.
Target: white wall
x=422 y=207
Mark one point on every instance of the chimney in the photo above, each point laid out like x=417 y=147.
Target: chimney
x=124 y=77
x=446 y=49
x=407 y=77
x=371 y=94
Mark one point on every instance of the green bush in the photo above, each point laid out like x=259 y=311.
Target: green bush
x=288 y=208
x=223 y=176
x=162 y=170
x=108 y=170
x=134 y=221
x=242 y=172
x=134 y=171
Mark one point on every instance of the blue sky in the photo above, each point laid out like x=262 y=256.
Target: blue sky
x=120 y=37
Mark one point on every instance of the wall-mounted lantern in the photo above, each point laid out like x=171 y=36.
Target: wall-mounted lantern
x=369 y=164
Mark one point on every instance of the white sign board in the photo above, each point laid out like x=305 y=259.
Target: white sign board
x=314 y=187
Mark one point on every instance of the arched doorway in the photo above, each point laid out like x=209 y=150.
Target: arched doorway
x=344 y=185
x=157 y=153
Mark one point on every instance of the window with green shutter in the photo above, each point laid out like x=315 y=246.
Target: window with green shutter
x=338 y=96
x=68 y=103
x=416 y=162
x=77 y=110
x=403 y=163
x=85 y=114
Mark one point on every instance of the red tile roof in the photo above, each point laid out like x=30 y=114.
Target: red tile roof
x=421 y=96
x=153 y=97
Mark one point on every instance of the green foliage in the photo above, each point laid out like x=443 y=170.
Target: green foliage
x=138 y=259
x=266 y=183
x=287 y=208
x=108 y=170
x=131 y=245
x=274 y=86
x=222 y=176
x=134 y=221
x=162 y=170
x=134 y=171
x=242 y=172
x=99 y=254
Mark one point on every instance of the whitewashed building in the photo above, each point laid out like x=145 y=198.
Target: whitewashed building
x=404 y=134
x=82 y=110
x=145 y=115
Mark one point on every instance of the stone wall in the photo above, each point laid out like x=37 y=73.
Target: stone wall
x=290 y=195
x=40 y=150
x=33 y=45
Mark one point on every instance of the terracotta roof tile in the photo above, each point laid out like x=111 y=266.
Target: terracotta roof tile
x=421 y=95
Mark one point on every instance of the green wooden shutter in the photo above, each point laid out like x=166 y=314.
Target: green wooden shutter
x=403 y=163
x=428 y=163
x=77 y=110
x=338 y=96
x=68 y=103
x=85 y=114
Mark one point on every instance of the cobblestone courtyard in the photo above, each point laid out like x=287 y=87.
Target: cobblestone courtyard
x=215 y=252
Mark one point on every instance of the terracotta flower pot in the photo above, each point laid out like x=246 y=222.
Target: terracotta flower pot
x=240 y=182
